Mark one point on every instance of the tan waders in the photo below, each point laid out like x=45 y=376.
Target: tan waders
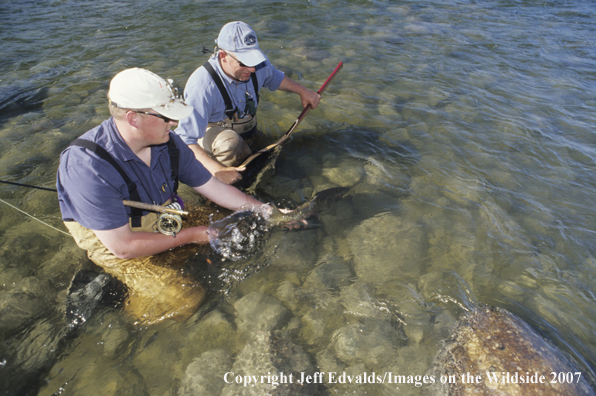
x=229 y=142
x=157 y=289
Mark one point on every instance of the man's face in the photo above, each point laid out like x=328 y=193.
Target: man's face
x=234 y=68
x=156 y=128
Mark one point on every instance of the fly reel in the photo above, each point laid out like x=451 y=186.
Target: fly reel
x=170 y=223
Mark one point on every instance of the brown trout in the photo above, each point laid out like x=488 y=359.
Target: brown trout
x=297 y=217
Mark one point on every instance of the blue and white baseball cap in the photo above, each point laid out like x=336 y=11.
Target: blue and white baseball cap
x=241 y=40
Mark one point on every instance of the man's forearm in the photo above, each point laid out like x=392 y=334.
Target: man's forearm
x=289 y=85
x=124 y=243
x=201 y=155
x=225 y=174
x=307 y=96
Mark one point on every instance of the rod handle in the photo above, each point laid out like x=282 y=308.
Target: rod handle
x=154 y=208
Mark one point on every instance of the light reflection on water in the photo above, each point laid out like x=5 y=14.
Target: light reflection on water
x=465 y=134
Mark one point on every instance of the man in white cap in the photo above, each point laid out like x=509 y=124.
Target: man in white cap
x=224 y=94
x=135 y=156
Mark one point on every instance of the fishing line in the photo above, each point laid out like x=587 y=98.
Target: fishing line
x=169 y=221
x=27 y=214
x=35 y=218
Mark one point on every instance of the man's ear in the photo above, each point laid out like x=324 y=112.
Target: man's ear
x=223 y=56
x=132 y=118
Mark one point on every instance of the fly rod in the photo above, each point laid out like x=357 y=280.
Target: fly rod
x=295 y=124
x=132 y=204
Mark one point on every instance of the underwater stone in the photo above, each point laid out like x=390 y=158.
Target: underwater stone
x=385 y=177
x=493 y=340
x=331 y=273
x=357 y=300
x=313 y=328
x=260 y=312
x=347 y=174
x=287 y=293
x=386 y=249
x=114 y=338
x=82 y=371
x=329 y=364
x=327 y=361
x=372 y=342
x=204 y=376
x=23 y=301
x=415 y=333
x=321 y=316
x=40 y=346
x=292 y=251
x=270 y=355
x=213 y=331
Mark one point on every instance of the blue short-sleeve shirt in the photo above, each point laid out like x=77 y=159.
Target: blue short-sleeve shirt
x=91 y=191
x=204 y=96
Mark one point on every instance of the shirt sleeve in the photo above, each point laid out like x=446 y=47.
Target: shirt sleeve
x=269 y=77
x=202 y=94
x=91 y=192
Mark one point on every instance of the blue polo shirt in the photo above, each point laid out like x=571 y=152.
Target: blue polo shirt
x=90 y=190
x=204 y=96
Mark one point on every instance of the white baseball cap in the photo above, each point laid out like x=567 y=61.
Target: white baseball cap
x=141 y=89
x=241 y=40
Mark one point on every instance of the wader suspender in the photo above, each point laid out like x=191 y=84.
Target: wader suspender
x=230 y=110
x=136 y=213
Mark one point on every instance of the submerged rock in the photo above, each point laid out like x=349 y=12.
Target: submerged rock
x=331 y=273
x=372 y=343
x=493 y=352
x=258 y=311
x=386 y=249
x=276 y=364
x=348 y=174
x=21 y=301
x=200 y=374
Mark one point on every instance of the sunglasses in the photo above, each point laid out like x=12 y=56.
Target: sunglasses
x=239 y=63
x=166 y=119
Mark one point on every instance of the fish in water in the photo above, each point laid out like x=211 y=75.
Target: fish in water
x=235 y=237
x=307 y=209
x=241 y=233
x=493 y=352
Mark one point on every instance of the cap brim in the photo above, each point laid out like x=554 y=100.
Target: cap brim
x=250 y=58
x=175 y=110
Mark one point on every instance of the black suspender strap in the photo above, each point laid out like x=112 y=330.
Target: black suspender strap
x=174 y=163
x=136 y=213
x=255 y=84
x=230 y=109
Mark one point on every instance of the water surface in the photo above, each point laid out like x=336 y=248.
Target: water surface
x=464 y=130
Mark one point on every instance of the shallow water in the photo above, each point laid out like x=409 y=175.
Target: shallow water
x=464 y=130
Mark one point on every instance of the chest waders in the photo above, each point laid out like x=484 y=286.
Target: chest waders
x=245 y=127
x=156 y=291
